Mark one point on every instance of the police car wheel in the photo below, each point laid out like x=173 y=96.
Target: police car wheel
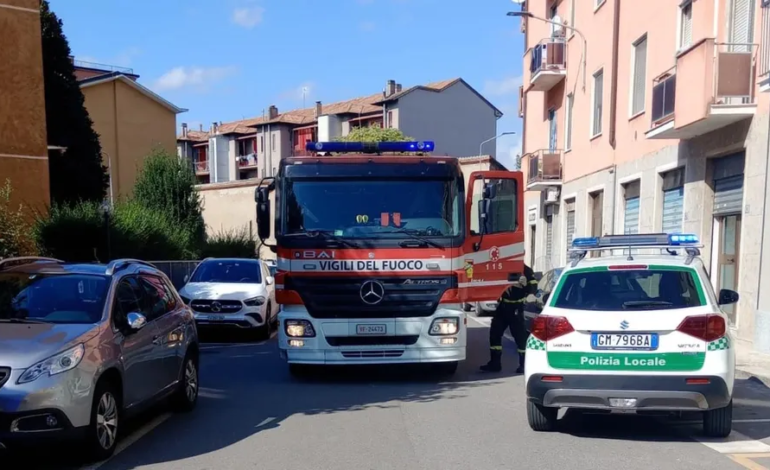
x=541 y=418
x=718 y=422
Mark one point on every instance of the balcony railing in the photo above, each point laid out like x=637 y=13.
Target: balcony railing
x=247 y=161
x=547 y=64
x=201 y=166
x=718 y=82
x=545 y=168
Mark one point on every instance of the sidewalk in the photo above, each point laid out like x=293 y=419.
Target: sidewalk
x=749 y=363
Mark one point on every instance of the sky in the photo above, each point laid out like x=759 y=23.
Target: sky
x=225 y=60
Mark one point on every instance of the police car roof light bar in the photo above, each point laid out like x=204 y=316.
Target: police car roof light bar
x=370 y=147
x=662 y=241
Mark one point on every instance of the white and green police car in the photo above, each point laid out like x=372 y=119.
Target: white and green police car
x=633 y=332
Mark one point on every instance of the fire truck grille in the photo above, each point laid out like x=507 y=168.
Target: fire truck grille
x=351 y=297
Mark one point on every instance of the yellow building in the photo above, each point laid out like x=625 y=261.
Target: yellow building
x=130 y=119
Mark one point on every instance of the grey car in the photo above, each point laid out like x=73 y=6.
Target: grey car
x=83 y=346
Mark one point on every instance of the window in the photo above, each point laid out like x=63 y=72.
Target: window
x=503 y=208
x=272 y=141
x=598 y=99
x=639 y=76
x=390 y=118
x=685 y=25
x=552 y=133
x=262 y=143
x=631 y=193
x=236 y=272
x=568 y=123
x=598 y=3
x=127 y=300
x=245 y=147
x=673 y=201
x=655 y=288
x=157 y=298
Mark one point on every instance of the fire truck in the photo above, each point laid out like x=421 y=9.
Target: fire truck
x=378 y=247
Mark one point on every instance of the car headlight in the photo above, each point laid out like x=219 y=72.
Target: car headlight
x=57 y=364
x=445 y=326
x=299 y=329
x=254 y=301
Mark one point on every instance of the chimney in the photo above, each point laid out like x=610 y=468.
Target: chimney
x=200 y=127
x=214 y=127
x=390 y=88
x=184 y=129
x=398 y=88
x=272 y=112
x=318 y=109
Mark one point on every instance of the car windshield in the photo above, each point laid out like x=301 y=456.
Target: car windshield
x=52 y=298
x=228 y=271
x=639 y=289
x=374 y=208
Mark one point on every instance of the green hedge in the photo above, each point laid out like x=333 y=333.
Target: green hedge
x=230 y=244
x=15 y=231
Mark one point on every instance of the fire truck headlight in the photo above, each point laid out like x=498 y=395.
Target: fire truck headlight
x=444 y=326
x=299 y=329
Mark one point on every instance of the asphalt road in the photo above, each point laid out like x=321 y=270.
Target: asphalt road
x=253 y=415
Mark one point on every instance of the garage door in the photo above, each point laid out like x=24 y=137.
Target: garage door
x=673 y=201
x=728 y=184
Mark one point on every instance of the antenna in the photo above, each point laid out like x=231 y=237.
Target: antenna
x=305 y=91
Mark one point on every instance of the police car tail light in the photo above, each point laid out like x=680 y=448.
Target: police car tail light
x=546 y=328
x=299 y=329
x=704 y=327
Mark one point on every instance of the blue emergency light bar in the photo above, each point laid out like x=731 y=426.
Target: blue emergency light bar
x=625 y=241
x=370 y=147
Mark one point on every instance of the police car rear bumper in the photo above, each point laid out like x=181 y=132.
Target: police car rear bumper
x=653 y=393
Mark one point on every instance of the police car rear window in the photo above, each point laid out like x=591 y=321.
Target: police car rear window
x=605 y=289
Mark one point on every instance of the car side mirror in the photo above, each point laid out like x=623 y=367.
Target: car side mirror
x=263 y=212
x=136 y=321
x=269 y=280
x=728 y=297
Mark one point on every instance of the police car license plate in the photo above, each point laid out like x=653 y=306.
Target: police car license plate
x=216 y=317
x=635 y=341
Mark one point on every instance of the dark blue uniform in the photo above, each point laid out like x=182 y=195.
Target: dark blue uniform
x=510 y=315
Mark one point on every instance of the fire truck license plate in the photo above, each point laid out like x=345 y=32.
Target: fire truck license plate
x=371 y=329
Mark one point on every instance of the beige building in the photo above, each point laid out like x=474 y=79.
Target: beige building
x=130 y=119
x=23 y=149
x=253 y=148
x=654 y=123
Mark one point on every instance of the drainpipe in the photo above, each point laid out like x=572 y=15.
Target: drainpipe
x=614 y=107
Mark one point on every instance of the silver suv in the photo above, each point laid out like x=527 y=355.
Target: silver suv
x=83 y=346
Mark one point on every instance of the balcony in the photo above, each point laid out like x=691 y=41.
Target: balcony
x=247 y=161
x=201 y=167
x=547 y=64
x=718 y=82
x=545 y=169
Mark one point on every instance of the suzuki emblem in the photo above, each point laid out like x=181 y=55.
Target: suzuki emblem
x=624 y=325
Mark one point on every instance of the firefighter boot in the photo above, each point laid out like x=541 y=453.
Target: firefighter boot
x=494 y=364
x=520 y=369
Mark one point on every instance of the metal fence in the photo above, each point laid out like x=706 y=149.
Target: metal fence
x=176 y=270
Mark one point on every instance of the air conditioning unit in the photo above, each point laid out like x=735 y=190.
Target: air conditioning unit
x=552 y=196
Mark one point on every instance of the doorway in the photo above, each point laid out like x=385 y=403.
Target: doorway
x=728 y=256
x=597 y=205
x=532 y=245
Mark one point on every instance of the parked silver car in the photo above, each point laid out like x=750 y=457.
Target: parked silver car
x=83 y=346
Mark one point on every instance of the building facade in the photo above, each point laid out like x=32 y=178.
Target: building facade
x=451 y=113
x=23 y=148
x=650 y=119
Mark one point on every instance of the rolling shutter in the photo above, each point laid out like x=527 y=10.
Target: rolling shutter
x=549 y=236
x=741 y=24
x=631 y=210
x=673 y=201
x=570 y=225
x=728 y=184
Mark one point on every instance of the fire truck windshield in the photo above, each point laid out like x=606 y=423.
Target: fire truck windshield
x=382 y=208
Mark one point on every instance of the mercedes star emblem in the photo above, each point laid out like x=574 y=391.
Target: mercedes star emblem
x=372 y=292
x=216 y=307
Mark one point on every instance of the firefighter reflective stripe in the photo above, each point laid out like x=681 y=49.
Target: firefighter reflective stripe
x=496 y=348
x=534 y=281
x=521 y=351
x=508 y=301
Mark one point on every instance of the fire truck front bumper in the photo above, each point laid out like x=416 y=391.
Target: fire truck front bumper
x=306 y=340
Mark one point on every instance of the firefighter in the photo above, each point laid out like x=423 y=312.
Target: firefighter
x=510 y=315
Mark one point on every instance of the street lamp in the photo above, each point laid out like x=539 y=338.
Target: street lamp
x=527 y=14
x=493 y=138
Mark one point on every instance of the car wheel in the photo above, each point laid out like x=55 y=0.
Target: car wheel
x=718 y=422
x=446 y=368
x=102 y=436
x=264 y=331
x=186 y=396
x=541 y=418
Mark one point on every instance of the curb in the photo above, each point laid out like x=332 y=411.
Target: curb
x=747 y=373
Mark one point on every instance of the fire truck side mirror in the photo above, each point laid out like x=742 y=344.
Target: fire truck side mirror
x=263 y=213
x=484 y=216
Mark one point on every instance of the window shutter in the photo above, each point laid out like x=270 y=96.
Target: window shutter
x=640 y=76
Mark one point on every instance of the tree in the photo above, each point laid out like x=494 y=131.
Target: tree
x=167 y=184
x=375 y=134
x=15 y=232
x=78 y=173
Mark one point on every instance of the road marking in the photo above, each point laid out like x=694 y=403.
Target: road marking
x=745 y=460
x=735 y=443
x=210 y=346
x=131 y=439
x=266 y=421
x=735 y=421
x=486 y=321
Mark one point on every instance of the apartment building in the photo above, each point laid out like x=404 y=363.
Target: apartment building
x=23 y=148
x=450 y=112
x=131 y=120
x=648 y=117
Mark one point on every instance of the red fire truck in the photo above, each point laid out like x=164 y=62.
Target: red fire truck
x=378 y=247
